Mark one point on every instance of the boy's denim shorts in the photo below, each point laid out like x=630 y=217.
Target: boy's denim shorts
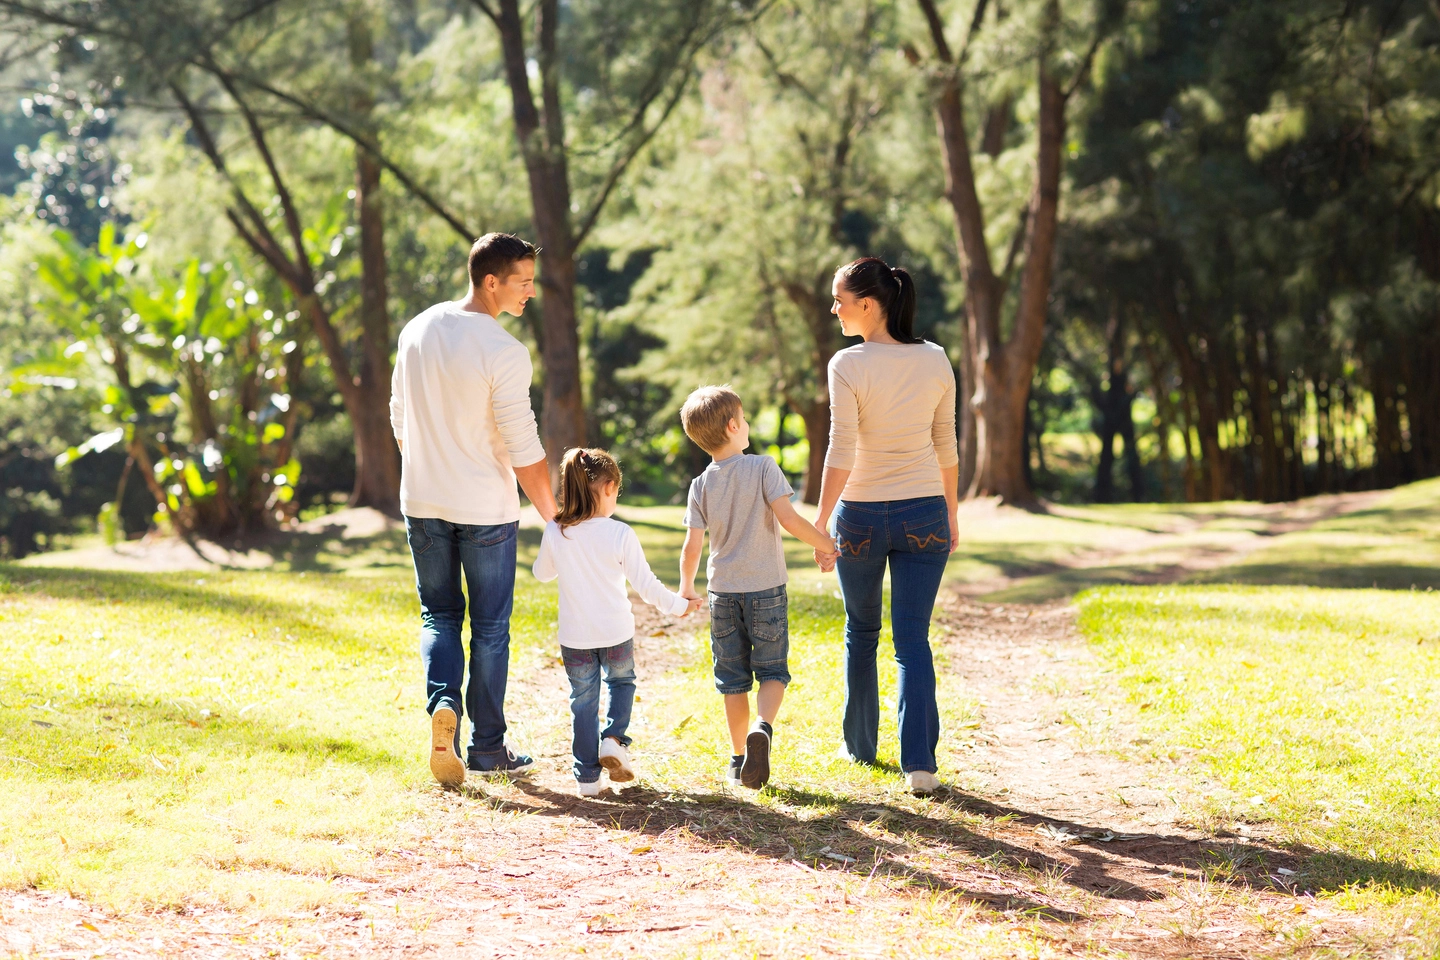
x=750 y=638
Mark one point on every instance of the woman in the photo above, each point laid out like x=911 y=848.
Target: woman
x=893 y=467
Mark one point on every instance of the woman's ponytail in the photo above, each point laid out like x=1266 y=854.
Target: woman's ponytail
x=891 y=287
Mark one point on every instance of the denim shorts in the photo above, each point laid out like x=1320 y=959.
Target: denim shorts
x=750 y=638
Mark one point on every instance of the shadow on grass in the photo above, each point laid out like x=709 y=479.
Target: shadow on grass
x=1335 y=573
x=974 y=837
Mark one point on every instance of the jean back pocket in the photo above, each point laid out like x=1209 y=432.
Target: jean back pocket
x=929 y=534
x=852 y=540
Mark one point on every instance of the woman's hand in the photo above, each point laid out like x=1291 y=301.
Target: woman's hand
x=954 y=519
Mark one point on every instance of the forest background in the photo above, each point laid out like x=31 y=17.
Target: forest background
x=1176 y=249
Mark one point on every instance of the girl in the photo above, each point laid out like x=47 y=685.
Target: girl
x=593 y=556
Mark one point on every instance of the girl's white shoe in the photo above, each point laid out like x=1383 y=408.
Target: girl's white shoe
x=616 y=761
x=922 y=781
x=591 y=789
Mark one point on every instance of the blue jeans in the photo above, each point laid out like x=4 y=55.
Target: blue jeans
x=750 y=637
x=584 y=668
x=913 y=537
x=485 y=555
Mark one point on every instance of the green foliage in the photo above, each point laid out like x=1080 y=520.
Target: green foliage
x=189 y=369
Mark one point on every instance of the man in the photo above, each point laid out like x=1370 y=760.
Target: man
x=460 y=408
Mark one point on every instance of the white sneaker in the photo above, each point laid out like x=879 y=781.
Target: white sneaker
x=922 y=781
x=591 y=789
x=616 y=760
x=447 y=768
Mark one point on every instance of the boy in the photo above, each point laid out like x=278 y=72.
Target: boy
x=743 y=501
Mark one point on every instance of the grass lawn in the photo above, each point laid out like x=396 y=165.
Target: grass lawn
x=1316 y=706
x=252 y=739
x=243 y=739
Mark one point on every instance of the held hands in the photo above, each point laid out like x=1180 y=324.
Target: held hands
x=694 y=602
x=826 y=558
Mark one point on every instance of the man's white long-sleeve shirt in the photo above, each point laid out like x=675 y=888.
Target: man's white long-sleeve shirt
x=593 y=559
x=460 y=407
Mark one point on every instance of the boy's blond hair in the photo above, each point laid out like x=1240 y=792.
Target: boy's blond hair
x=706 y=414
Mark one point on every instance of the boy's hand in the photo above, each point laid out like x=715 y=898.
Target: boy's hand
x=826 y=557
x=695 y=604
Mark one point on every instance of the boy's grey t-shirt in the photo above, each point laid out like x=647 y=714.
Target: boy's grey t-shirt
x=732 y=500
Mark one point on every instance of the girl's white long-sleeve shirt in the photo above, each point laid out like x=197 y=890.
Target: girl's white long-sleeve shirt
x=593 y=559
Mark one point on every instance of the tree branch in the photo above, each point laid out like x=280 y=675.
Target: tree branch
x=1084 y=72
x=622 y=163
x=368 y=145
x=937 y=30
x=486 y=9
x=287 y=203
x=258 y=235
x=789 y=79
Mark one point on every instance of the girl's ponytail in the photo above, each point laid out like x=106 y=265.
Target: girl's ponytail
x=582 y=470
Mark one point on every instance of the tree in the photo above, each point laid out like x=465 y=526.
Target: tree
x=1000 y=366
x=790 y=182
x=183 y=366
x=659 y=42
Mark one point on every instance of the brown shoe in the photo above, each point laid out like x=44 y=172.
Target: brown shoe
x=447 y=767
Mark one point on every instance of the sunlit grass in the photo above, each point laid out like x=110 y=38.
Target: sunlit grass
x=1316 y=709
x=243 y=738
x=233 y=738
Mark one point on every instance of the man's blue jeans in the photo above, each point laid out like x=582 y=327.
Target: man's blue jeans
x=485 y=556
x=584 y=668
x=913 y=537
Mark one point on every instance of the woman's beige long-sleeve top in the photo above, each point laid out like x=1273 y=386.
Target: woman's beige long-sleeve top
x=892 y=420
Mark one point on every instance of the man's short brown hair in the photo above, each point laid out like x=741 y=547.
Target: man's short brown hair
x=706 y=414
x=497 y=254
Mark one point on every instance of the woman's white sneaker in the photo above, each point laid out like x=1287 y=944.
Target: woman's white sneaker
x=591 y=789
x=616 y=760
x=922 y=781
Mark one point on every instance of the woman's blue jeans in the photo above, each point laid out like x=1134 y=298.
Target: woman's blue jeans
x=484 y=556
x=913 y=538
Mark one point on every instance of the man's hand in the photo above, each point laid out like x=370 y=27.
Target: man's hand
x=695 y=603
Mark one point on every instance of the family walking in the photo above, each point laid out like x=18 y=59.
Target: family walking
x=460 y=408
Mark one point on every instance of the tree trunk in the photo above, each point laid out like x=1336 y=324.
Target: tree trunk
x=542 y=144
x=817 y=430
x=377 y=458
x=1003 y=367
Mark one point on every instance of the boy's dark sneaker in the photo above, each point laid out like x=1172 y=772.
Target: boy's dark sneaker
x=755 y=771
x=732 y=772
x=511 y=763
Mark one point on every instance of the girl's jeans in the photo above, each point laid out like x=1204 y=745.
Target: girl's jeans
x=584 y=668
x=913 y=537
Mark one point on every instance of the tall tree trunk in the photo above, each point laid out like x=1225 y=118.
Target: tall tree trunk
x=542 y=144
x=377 y=459
x=817 y=428
x=1003 y=366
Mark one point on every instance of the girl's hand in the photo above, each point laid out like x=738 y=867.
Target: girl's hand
x=695 y=603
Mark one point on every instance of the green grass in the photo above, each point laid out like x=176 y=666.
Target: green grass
x=231 y=738
x=1316 y=709
x=244 y=738
x=1393 y=544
